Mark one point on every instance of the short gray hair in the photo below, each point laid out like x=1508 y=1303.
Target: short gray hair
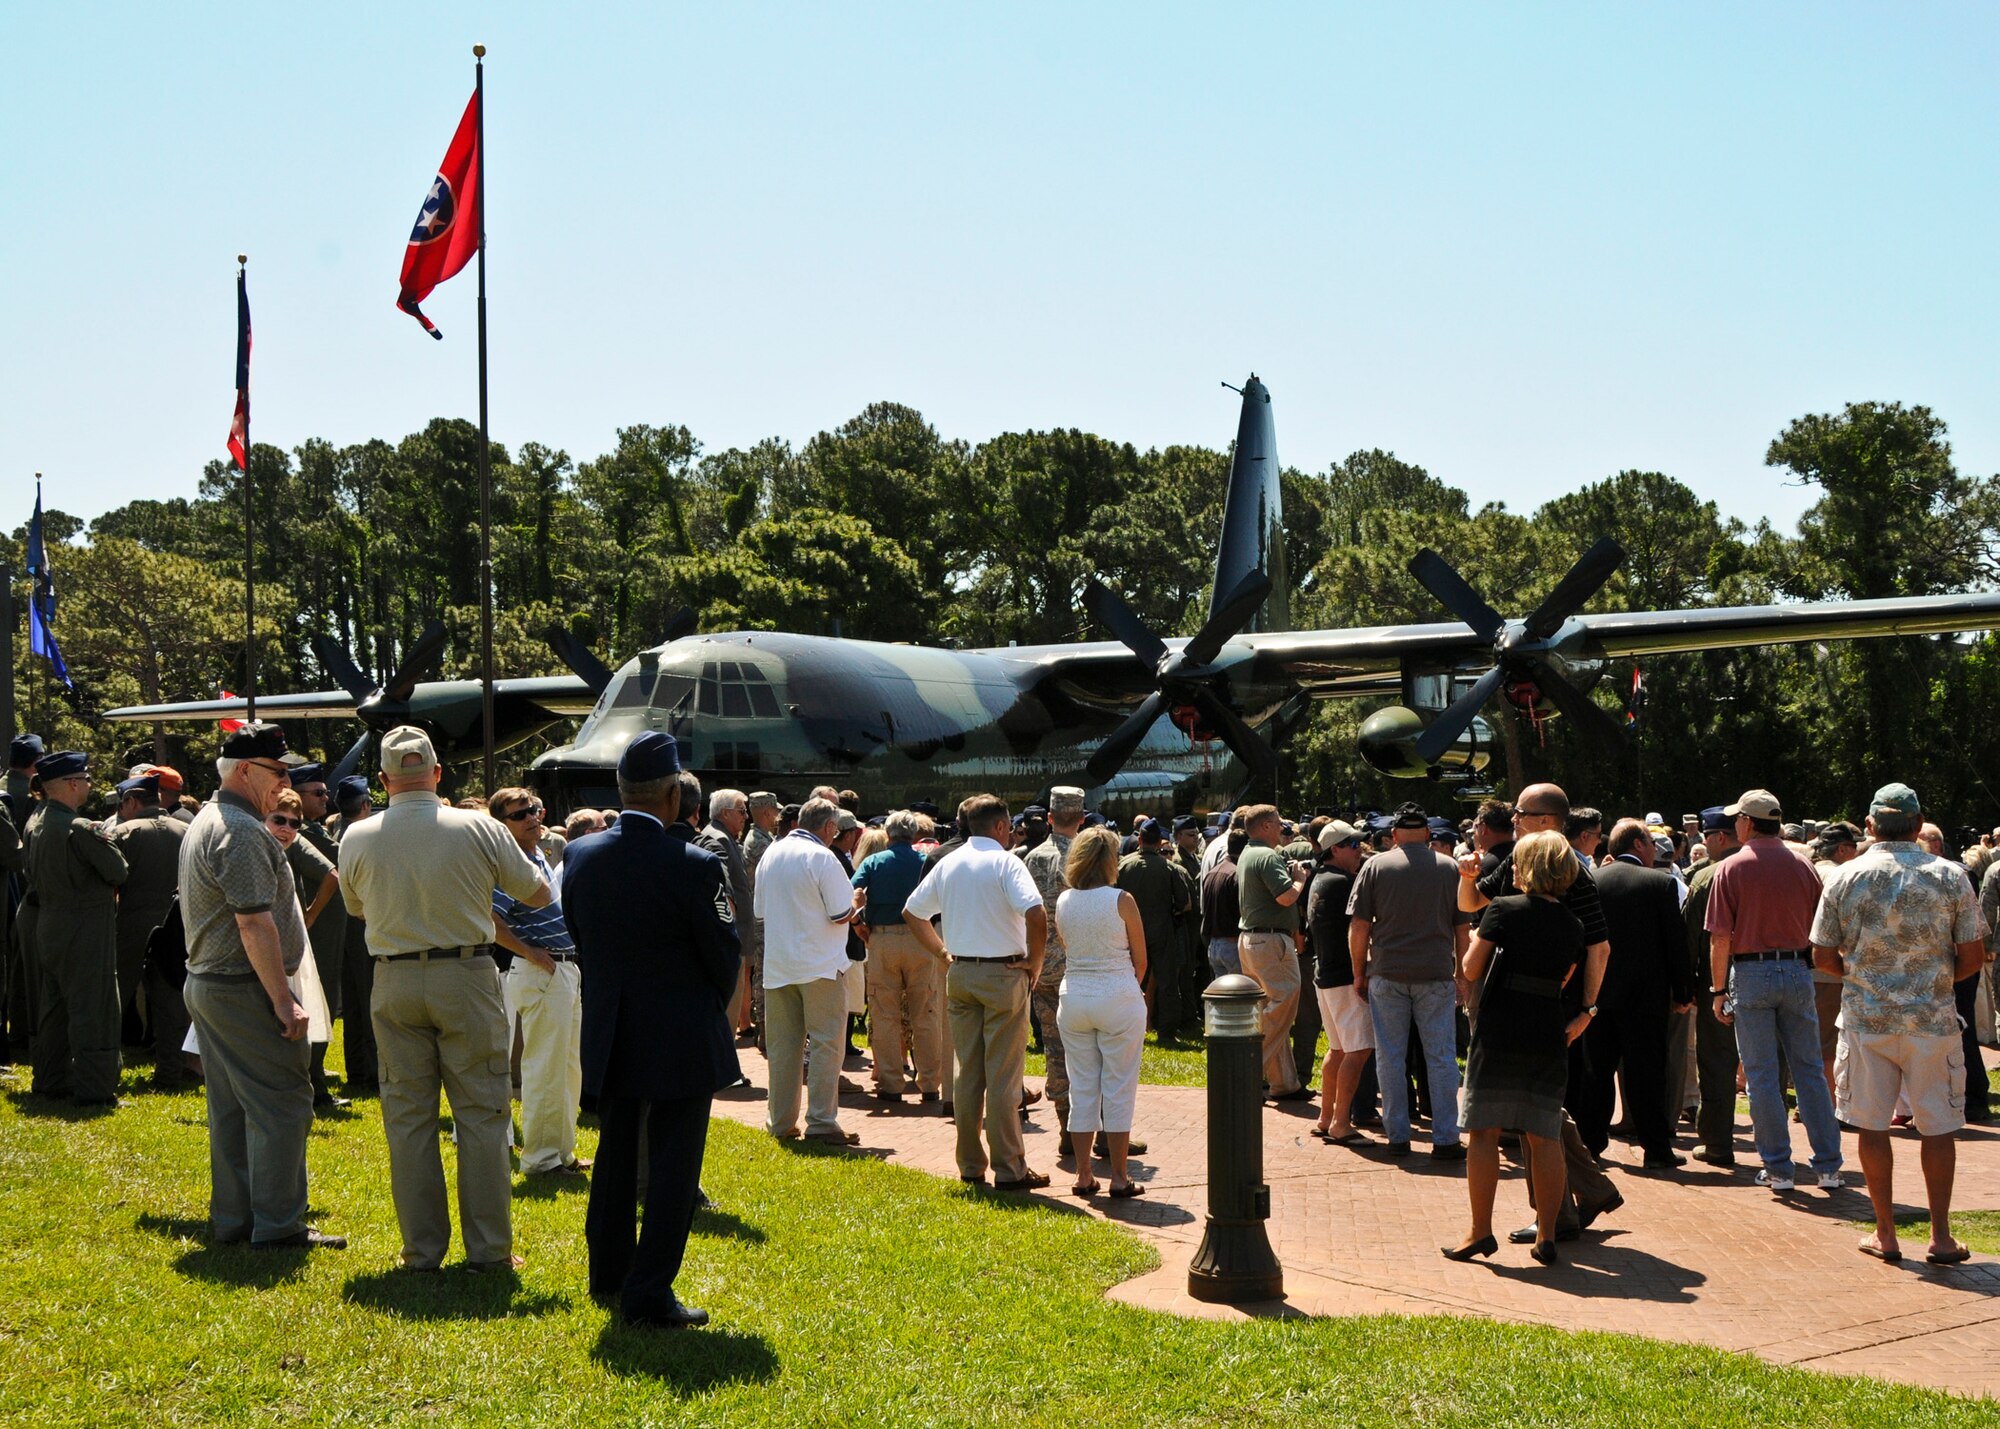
x=818 y=813
x=903 y=826
x=226 y=767
x=1893 y=824
x=723 y=801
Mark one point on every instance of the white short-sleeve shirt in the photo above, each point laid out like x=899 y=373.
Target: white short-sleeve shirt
x=800 y=893
x=984 y=894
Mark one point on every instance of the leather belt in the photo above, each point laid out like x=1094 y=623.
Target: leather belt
x=439 y=955
x=1009 y=958
x=1780 y=955
x=1276 y=932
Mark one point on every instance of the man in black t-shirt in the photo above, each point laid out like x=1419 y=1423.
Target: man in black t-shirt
x=1350 y=1029
x=1546 y=806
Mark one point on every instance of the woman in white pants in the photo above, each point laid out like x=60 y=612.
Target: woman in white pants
x=1100 y=1008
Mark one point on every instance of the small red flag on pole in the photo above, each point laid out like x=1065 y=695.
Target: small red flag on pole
x=449 y=224
x=239 y=425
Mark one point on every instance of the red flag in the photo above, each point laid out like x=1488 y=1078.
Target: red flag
x=450 y=222
x=239 y=425
x=228 y=726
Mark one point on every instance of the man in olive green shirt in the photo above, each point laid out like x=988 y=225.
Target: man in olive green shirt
x=1267 y=891
x=73 y=875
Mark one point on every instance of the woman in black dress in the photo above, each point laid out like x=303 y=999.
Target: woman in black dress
x=1527 y=947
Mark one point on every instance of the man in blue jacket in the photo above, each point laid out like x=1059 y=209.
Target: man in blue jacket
x=656 y=936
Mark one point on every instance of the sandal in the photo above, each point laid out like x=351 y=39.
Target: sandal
x=1869 y=1247
x=1079 y=1189
x=1956 y=1255
x=1127 y=1191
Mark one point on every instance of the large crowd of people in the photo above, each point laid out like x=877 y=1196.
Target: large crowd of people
x=1597 y=977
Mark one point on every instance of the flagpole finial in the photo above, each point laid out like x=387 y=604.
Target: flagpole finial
x=243 y=259
x=479 y=52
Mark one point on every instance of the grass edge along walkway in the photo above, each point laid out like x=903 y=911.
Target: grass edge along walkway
x=843 y=1290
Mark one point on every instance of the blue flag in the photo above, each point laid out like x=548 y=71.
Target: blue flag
x=42 y=599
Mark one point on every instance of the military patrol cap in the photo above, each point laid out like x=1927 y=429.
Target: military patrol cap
x=63 y=765
x=142 y=784
x=407 y=753
x=350 y=793
x=763 y=799
x=653 y=755
x=258 y=739
x=307 y=774
x=1756 y=804
x=1715 y=820
x=25 y=749
x=1895 y=799
x=1410 y=816
x=1338 y=833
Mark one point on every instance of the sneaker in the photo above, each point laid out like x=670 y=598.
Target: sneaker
x=1831 y=1181
x=1775 y=1183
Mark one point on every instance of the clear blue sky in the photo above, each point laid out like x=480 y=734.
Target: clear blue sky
x=1524 y=246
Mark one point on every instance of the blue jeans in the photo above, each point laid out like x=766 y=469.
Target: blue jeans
x=1393 y=1005
x=1774 y=1012
x=1222 y=956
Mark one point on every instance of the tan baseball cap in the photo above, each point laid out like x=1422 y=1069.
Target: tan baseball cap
x=1337 y=833
x=407 y=753
x=846 y=822
x=1757 y=804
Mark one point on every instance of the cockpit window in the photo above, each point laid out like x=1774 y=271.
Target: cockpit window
x=736 y=690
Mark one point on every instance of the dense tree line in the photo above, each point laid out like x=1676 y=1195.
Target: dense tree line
x=883 y=528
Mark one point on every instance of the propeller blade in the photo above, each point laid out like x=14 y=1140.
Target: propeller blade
x=681 y=622
x=1248 y=745
x=1124 y=624
x=418 y=661
x=1227 y=620
x=334 y=659
x=1583 y=581
x=581 y=660
x=1112 y=754
x=1435 y=575
x=1447 y=727
x=350 y=761
x=1590 y=718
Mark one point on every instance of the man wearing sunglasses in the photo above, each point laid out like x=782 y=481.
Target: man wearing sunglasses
x=73 y=878
x=544 y=990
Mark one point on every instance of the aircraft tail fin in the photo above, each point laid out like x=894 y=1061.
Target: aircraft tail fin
x=1253 y=520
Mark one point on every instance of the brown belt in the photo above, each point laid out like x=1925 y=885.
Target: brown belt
x=439 y=955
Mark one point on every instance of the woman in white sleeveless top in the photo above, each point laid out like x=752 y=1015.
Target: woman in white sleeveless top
x=1100 y=1008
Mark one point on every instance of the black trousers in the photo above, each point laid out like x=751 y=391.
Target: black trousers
x=1634 y=1032
x=676 y=1135
x=1978 y=1092
x=1305 y=1022
x=357 y=1026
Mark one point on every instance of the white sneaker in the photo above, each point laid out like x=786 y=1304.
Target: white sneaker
x=1831 y=1181
x=1775 y=1183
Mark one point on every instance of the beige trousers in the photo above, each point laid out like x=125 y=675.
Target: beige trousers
x=1272 y=960
x=550 y=1006
x=989 y=1037
x=904 y=982
x=805 y=1023
x=444 y=1024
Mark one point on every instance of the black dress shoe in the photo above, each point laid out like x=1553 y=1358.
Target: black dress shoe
x=1602 y=1208
x=1544 y=1252
x=1527 y=1235
x=1398 y=1148
x=1664 y=1161
x=927 y=1097
x=675 y=1317
x=1450 y=1151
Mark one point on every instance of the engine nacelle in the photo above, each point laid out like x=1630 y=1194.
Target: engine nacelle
x=1387 y=740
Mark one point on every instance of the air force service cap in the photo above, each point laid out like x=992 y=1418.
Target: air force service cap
x=25 y=749
x=350 y=794
x=63 y=765
x=308 y=774
x=143 y=784
x=653 y=755
x=1717 y=820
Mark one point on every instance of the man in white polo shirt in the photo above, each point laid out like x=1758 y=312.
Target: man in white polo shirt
x=806 y=903
x=995 y=932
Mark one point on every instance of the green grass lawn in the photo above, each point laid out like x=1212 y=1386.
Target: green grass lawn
x=844 y=1292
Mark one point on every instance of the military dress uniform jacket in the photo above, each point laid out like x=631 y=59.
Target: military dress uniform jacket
x=656 y=941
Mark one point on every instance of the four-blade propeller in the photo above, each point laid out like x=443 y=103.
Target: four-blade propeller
x=379 y=708
x=1520 y=650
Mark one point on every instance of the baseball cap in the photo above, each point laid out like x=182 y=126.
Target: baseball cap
x=846 y=822
x=256 y=740
x=1337 y=833
x=1757 y=804
x=407 y=753
x=1410 y=816
x=1895 y=799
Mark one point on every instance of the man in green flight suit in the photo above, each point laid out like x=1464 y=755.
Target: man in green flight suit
x=1161 y=890
x=74 y=874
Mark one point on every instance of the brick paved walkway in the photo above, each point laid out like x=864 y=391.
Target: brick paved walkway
x=1703 y=1256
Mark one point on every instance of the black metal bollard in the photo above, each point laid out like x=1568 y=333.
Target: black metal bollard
x=1235 y=1262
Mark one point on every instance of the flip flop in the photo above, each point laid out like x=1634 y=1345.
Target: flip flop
x=1353 y=1138
x=1320 y=1133
x=1127 y=1191
x=1870 y=1248
x=1956 y=1255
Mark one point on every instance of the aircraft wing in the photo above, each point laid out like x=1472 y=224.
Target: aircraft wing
x=1670 y=631
x=559 y=694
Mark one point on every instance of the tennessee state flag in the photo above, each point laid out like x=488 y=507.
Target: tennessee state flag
x=449 y=224
x=239 y=425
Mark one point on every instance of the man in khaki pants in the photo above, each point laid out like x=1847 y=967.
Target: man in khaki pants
x=996 y=931
x=1268 y=889
x=423 y=874
x=905 y=981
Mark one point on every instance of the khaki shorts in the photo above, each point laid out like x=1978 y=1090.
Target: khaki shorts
x=1349 y=1026
x=1872 y=1068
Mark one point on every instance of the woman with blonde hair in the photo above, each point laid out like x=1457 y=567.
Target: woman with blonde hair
x=1100 y=1008
x=1527 y=948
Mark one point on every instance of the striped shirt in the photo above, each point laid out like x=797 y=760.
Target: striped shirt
x=542 y=928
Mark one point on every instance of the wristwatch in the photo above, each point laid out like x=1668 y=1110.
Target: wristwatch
x=1590 y=1011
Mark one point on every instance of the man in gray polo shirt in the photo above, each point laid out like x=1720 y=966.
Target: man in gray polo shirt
x=245 y=938
x=423 y=874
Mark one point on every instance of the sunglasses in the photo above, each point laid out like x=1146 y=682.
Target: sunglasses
x=526 y=811
x=285 y=821
x=1536 y=814
x=269 y=768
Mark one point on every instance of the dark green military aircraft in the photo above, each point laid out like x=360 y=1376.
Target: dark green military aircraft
x=1141 y=721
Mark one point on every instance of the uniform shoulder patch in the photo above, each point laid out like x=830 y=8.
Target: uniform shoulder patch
x=725 y=907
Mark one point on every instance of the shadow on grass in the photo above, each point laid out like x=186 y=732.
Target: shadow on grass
x=535 y=1186
x=453 y=1294
x=725 y=1226
x=232 y=1264
x=52 y=1108
x=688 y=1362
